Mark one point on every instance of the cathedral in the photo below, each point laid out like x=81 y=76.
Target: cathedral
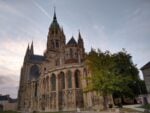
x=56 y=80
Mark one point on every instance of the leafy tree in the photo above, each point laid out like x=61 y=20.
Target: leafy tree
x=125 y=67
x=105 y=77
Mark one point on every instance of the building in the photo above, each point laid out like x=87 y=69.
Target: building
x=55 y=81
x=146 y=75
x=7 y=103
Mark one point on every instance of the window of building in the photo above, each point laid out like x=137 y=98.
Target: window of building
x=44 y=85
x=57 y=43
x=35 y=93
x=53 y=82
x=34 y=72
x=71 y=53
x=47 y=83
x=52 y=44
x=52 y=31
x=62 y=80
x=69 y=79
x=77 y=78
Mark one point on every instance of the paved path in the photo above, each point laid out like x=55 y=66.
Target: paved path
x=135 y=107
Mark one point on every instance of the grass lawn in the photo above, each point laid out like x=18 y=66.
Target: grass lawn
x=147 y=106
x=19 y=112
x=128 y=110
x=9 y=112
x=37 y=112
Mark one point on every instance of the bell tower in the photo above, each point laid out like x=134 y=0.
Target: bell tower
x=56 y=38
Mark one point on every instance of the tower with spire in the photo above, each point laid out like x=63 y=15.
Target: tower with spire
x=56 y=38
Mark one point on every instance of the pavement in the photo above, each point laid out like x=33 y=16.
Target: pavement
x=135 y=107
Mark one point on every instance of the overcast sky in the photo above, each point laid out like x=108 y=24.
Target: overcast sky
x=105 y=24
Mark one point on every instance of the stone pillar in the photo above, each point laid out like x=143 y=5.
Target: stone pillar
x=49 y=94
x=66 y=81
x=66 y=88
x=49 y=84
x=57 y=93
x=74 y=89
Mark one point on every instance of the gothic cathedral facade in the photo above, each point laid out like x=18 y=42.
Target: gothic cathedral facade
x=55 y=81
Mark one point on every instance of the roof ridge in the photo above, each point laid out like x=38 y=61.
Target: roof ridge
x=72 y=41
x=147 y=65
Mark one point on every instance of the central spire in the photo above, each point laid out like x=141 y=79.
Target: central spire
x=54 y=25
x=54 y=18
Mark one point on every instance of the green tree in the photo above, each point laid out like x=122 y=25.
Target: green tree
x=104 y=76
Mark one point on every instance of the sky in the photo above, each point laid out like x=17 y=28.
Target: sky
x=105 y=24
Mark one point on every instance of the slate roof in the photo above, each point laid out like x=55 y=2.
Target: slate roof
x=146 y=66
x=37 y=58
x=4 y=97
x=7 y=98
x=13 y=100
x=72 y=41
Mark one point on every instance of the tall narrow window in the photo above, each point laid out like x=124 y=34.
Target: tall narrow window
x=77 y=78
x=52 y=44
x=57 y=43
x=57 y=62
x=53 y=82
x=71 y=53
x=62 y=80
x=69 y=78
x=34 y=72
x=35 y=93
x=47 y=83
x=44 y=86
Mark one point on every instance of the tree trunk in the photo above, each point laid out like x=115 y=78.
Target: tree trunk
x=105 y=103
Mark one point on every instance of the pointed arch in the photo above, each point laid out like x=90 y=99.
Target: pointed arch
x=77 y=78
x=71 y=53
x=53 y=82
x=47 y=83
x=44 y=85
x=52 y=44
x=61 y=77
x=34 y=72
x=57 y=43
x=69 y=79
x=36 y=88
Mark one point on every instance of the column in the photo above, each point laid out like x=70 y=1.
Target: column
x=66 y=88
x=57 y=94
x=74 y=89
